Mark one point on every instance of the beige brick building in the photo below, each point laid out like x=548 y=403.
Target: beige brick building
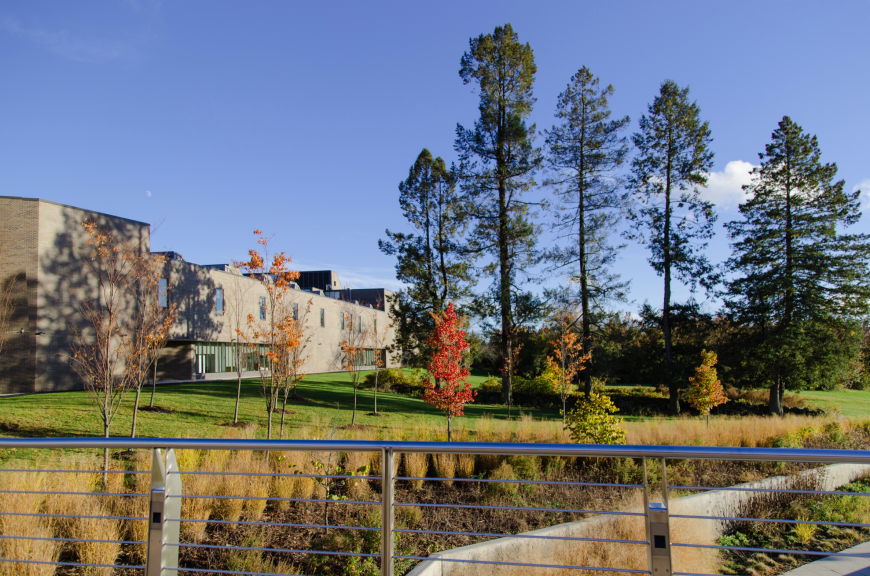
x=42 y=246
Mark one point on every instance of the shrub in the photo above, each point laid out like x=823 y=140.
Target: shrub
x=395 y=380
x=592 y=421
x=539 y=385
x=491 y=385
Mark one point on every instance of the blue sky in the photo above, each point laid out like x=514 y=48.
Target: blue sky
x=216 y=118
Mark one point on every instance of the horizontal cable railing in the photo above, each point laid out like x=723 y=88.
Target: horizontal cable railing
x=180 y=523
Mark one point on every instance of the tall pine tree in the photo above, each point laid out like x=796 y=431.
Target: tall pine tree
x=585 y=150
x=803 y=284
x=432 y=260
x=498 y=160
x=672 y=162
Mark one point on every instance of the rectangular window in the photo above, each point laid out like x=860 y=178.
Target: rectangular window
x=342 y=321
x=322 y=318
x=162 y=300
x=359 y=323
x=295 y=311
x=219 y=301
x=262 y=307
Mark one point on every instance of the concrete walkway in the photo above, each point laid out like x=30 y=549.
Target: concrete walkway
x=834 y=566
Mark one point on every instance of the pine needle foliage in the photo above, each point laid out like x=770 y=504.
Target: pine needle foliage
x=497 y=162
x=584 y=151
x=669 y=216
x=802 y=283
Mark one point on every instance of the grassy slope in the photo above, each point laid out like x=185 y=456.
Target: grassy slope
x=851 y=403
x=201 y=408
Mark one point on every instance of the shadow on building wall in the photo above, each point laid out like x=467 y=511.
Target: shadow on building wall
x=66 y=282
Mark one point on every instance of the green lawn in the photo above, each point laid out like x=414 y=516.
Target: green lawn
x=203 y=409
x=850 y=403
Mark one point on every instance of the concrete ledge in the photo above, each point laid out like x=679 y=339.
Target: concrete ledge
x=548 y=551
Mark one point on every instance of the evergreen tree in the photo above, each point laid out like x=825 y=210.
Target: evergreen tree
x=803 y=282
x=432 y=261
x=672 y=162
x=497 y=162
x=585 y=150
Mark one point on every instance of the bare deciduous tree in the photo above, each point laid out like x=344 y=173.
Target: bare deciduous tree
x=104 y=346
x=149 y=324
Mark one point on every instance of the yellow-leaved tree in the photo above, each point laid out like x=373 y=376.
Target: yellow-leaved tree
x=592 y=421
x=705 y=390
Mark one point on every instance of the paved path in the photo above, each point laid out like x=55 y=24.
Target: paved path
x=834 y=566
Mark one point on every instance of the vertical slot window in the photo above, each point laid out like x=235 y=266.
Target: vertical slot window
x=162 y=299
x=262 y=307
x=219 y=301
x=322 y=318
x=295 y=312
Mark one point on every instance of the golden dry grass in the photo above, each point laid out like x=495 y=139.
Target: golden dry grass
x=445 y=467
x=745 y=431
x=416 y=466
x=26 y=526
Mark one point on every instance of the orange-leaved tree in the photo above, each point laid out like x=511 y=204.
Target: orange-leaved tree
x=354 y=337
x=568 y=349
x=299 y=337
x=705 y=390
x=450 y=390
x=272 y=327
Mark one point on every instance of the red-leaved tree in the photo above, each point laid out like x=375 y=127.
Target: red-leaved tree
x=450 y=390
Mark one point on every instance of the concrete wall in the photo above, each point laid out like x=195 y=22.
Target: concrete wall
x=43 y=245
x=65 y=282
x=553 y=551
x=18 y=265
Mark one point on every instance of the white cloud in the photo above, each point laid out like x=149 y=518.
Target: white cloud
x=864 y=187
x=724 y=188
x=148 y=193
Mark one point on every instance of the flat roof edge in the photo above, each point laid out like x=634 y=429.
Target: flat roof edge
x=75 y=208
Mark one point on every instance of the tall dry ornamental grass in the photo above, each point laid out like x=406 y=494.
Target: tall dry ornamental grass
x=25 y=526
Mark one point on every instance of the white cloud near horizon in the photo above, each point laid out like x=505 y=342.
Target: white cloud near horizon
x=864 y=187
x=725 y=188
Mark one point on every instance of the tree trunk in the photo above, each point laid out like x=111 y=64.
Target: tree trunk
x=136 y=410
x=238 y=397
x=564 y=409
x=584 y=293
x=775 y=404
x=505 y=295
x=283 y=413
x=376 y=392
x=449 y=429
x=353 y=416
x=105 y=457
x=674 y=403
x=153 y=383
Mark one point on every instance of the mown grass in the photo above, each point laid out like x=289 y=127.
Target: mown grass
x=849 y=403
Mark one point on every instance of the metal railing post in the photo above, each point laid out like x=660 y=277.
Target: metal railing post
x=659 y=529
x=172 y=509
x=163 y=485
x=388 y=495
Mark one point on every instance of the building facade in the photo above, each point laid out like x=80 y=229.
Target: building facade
x=42 y=250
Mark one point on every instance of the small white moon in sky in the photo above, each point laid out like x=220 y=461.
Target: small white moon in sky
x=148 y=193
